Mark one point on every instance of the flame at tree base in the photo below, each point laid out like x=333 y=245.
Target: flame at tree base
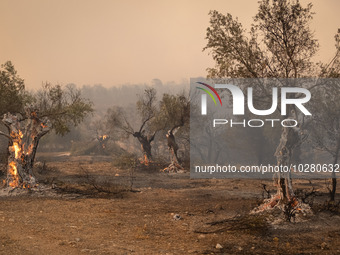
x=24 y=137
x=145 y=161
x=291 y=210
x=13 y=178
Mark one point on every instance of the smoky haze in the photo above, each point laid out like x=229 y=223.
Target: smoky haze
x=118 y=42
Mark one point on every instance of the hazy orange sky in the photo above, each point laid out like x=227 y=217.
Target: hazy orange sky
x=113 y=42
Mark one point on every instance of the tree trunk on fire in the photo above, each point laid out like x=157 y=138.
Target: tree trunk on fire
x=24 y=136
x=145 y=146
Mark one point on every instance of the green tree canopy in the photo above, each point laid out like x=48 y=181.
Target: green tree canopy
x=280 y=44
x=64 y=106
x=12 y=90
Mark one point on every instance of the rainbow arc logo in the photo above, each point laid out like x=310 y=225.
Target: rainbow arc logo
x=209 y=93
x=204 y=97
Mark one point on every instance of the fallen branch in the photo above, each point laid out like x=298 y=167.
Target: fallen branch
x=239 y=222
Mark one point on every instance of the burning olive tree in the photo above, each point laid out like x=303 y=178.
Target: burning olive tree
x=25 y=133
x=13 y=96
x=280 y=45
x=54 y=108
x=119 y=124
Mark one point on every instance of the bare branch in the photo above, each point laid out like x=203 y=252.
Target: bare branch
x=2 y=133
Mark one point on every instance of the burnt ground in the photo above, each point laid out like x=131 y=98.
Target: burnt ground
x=95 y=208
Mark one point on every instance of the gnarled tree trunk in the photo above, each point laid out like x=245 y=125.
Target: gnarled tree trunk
x=289 y=140
x=145 y=146
x=173 y=148
x=24 y=136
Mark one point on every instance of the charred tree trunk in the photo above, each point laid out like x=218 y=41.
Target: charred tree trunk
x=145 y=146
x=173 y=148
x=285 y=195
x=289 y=140
x=24 y=137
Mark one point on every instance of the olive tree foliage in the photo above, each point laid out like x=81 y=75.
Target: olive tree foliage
x=63 y=106
x=120 y=125
x=31 y=117
x=174 y=112
x=12 y=90
x=280 y=44
x=53 y=108
x=332 y=69
x=12 y=96
x=325 y=129
x=117 y=123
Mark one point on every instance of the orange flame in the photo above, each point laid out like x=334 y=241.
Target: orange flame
x=16 y=148
x=14 y=173
x=145 y=161
x=25 y=186
x=294 y=203
x=30 y=149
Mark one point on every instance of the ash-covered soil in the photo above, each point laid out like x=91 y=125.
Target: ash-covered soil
x=91 y=207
